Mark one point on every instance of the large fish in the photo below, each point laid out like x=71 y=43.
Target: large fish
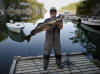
x=46 y=24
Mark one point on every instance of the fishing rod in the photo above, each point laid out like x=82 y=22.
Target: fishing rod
x=34 y=57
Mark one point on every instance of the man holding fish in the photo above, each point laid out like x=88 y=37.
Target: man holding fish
x=52 y=39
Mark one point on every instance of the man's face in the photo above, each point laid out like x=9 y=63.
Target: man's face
x=53 y=13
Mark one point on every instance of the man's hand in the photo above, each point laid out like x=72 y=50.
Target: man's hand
x=27 y=38
x=60 y=25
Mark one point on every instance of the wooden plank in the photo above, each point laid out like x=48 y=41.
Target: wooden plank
x=34 y=65
x=60 y=73
x=79 y=57
x=92 y=72
x=83 y=64
x=51 y=56
x=87 y=66
x=12 y=69
x=75 y=71
x=75 y=53
x=25 y=71
x=25 y=68
x=90 y=69
x=79 y=60
x=52 y=73
x=28 y=63
x=30 y=73
x=67 y=72
x=76 y=61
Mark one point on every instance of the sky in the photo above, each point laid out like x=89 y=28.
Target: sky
x=56 y=3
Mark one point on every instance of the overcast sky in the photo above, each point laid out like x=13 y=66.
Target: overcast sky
x=56 y=3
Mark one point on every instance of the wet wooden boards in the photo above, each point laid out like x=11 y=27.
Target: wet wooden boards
x=79 y=64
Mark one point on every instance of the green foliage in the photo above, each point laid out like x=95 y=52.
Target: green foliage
x=35 y=7
x=8 y=2
x=33 y=3
x=35 y=18
x=3 y=33
x=85 y=7
x=71 y=7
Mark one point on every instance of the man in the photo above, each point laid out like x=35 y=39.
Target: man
x=53 y=40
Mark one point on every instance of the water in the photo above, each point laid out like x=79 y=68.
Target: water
x=74 y=38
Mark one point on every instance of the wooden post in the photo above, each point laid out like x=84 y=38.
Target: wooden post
x=12 y=69
x=13 y=66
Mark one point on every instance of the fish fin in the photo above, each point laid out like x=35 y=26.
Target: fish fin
x=38 y=24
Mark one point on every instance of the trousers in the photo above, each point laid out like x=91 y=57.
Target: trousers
x=52 y=40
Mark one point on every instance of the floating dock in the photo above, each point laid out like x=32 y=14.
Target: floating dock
x=74 y=63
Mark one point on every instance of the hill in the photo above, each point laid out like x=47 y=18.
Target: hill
x=71 y=7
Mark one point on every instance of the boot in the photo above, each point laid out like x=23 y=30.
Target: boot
x=58 y=61
x=46 y=62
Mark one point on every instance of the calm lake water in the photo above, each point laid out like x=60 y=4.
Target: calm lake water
x=74 y=38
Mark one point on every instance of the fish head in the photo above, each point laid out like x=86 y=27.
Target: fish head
x=60 y=17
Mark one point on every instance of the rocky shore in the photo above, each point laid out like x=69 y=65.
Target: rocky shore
x=20 y=9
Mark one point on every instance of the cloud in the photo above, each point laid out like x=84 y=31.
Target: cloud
x=56 y=3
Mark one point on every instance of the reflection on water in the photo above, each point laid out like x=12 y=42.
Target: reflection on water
x=88 y=39
x=18 y=37
x=3 y=33
x=25 y=18
x=93 y=43
x=74 y=38
x=81 y=38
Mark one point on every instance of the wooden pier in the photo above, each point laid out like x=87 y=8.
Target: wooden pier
x=74 y=63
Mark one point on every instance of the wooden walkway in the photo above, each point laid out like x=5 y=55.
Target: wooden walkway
x=73 y=64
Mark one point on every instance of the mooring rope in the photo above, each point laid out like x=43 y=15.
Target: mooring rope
x=67 y=58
